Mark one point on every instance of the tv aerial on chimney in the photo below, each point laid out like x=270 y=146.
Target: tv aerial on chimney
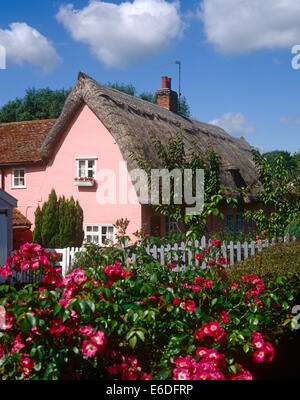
x=179 y=64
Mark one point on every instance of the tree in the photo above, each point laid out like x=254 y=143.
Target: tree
x=148 y=96
x=37 y=234
x=49 y=221
x=121 y=87
x=59 y=223
x=183 y=107
x=296 y=171
x=288 y=159
x=36 y=104
x=278 y=194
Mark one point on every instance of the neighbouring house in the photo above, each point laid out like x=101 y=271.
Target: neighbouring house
x=7 y=204
x=21 y=229
x=97 y=131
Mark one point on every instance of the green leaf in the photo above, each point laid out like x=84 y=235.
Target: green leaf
x=57 y=309
x=66 y=314
x=268 y=302
x=141 y=335
x=170 y=307
x=153 y=278
x=163 y=375
x=91 y=305
x=246 y=348
x=30 y=319
x=133 y=341
x=214 y=301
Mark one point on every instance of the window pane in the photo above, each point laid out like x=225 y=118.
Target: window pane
x=91 y=164
x=96 y=239
x=89 y=238
x=95 y=228
x=82 y=169
x=229 y=222
x=104 y=230
x=251 y=224
x=240 y=223
x=90 y=173
x=89 y=228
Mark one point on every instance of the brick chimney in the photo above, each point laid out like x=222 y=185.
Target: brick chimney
x=166 y=97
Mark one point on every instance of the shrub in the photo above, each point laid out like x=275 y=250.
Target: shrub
x=59 y=223
x=293 y=229
x=147 y=321
x=272 y=263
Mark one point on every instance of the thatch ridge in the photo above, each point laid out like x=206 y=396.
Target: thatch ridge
x=132 y=120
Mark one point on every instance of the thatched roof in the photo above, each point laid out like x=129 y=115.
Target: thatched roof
x=131 y=121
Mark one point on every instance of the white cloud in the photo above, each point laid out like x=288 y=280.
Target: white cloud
x=125 y=33
x=24 y=43
x=289 y=121
x=234 y=123
x=243 y=25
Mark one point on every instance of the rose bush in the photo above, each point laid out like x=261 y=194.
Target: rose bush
x=146 y=321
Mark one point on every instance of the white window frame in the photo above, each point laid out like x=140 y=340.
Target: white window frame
x=86 y=159
x=99 y=233
x=13 y=186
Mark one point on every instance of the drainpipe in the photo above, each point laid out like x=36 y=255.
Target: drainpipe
x=2 y=179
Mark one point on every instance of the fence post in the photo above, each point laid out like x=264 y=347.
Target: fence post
x=183 y=252
x=231 y=253
x=252 y=248
x=162 y=255
x=259 y=245
x=64 y=262
x=190 y=254
x=238 y=252
x=245 y=251
x=224 y=250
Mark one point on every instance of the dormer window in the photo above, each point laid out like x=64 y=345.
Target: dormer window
x=18 y=178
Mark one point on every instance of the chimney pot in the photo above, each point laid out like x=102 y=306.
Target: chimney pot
x=164 y=82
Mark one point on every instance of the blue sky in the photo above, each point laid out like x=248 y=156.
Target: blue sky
x=236 y=56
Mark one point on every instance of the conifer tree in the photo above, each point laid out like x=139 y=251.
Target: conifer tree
x=59 y=223
x=37 y=234
x=49 y=224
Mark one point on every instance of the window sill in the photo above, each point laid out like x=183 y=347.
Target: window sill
x=18 y=187
x=84 y=183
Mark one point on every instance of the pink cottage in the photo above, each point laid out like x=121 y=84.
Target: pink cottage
x=94 y=137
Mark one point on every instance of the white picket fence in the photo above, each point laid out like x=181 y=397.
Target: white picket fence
x=232 y=252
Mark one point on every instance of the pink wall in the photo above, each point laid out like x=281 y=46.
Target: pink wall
x=85 y=137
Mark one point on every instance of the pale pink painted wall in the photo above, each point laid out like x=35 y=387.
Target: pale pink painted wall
x=85 y=137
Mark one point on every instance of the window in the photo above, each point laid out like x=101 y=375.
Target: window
x=99 y=234
x=86 y=167
x=18 y=178
x=229 y=222
x=171 y=226
x=239 y=223
x=251 y=225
